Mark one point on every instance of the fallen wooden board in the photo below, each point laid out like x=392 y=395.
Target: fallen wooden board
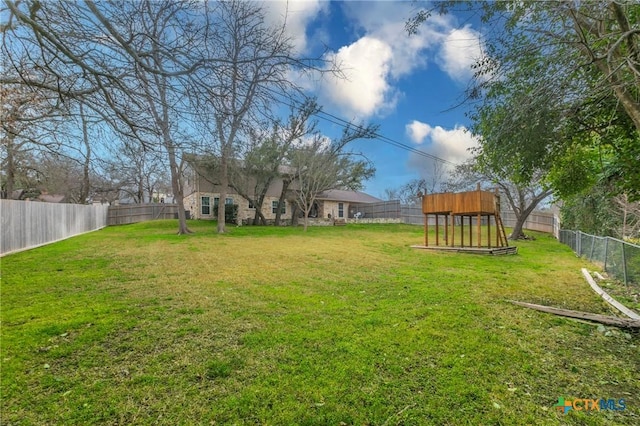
x=610 y=300
x=474 y=250
x=603 y=319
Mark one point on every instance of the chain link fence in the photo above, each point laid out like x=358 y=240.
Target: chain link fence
x=619 y=258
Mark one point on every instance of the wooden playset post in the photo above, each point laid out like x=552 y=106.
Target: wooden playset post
x=421 y=196
x=446 y=230
x=479 y=217
x=453 y=229
x=499 y=225
x=426 y=230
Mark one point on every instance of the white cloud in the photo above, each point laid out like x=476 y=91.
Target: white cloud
x=309 y=140
x=386 y=21
x=365 y=89
x=417 y=131
x=450 y=144
x=383 y=53
x=372 y=64
x=297 y=14
x=460 y=49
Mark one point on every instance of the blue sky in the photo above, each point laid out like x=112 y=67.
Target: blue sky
x=406 y=84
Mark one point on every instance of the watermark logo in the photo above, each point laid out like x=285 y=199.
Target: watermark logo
x=587 y=404
x=563 y=406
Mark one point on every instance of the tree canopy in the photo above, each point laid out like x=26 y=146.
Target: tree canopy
x=555 y=98
x=321 y=165
x=167 y=77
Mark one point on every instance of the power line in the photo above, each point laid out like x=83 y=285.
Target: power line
x=343 y=123
x=392 y=142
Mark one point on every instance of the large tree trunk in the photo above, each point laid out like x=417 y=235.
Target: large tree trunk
x=176 y=183
x=285 y=187
x=518 y=232
x=522 y=212
x=176 y=186
x=259 y=218
x=150 y=190
x=163 y=124
x=294 y=214
x=85 y=188
x=140 y=191
x=224 y=183
x=10 y=169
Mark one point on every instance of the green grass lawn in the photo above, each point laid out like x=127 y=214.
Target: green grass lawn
x=338 y=326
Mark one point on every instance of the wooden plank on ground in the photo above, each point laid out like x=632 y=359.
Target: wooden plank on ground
x=610 y=300
x=603 y=319
x=474 y=250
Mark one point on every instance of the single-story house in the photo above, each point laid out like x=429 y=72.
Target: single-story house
x=201 y=194
x=340 y=204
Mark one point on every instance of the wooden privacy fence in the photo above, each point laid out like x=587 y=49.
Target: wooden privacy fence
x=412 y=214
x=537 y=221
x=133 y=213
x=29 y=224
x=382 y=210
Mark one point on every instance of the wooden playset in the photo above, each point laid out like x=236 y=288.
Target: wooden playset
x=460 y=207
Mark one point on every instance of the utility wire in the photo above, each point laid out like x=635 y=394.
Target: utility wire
x=388 y=140
x=343 y=123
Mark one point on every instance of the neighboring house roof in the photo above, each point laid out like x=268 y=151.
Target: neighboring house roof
x=286 y=169
x=275 y=188
x=348 y=196
x=51 y=198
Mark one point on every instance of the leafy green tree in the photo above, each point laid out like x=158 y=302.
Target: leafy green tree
x=559 y=81
x=320 y=165
x=264 y=159
x=520 y=197
x=237 y=93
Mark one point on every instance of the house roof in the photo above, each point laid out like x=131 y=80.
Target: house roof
x=348 y=196
x=51 y=198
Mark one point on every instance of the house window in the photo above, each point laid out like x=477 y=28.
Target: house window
x=205 y=209
x=274 y=207
x=340 y=209
x=216 y=201
x=251 y=206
